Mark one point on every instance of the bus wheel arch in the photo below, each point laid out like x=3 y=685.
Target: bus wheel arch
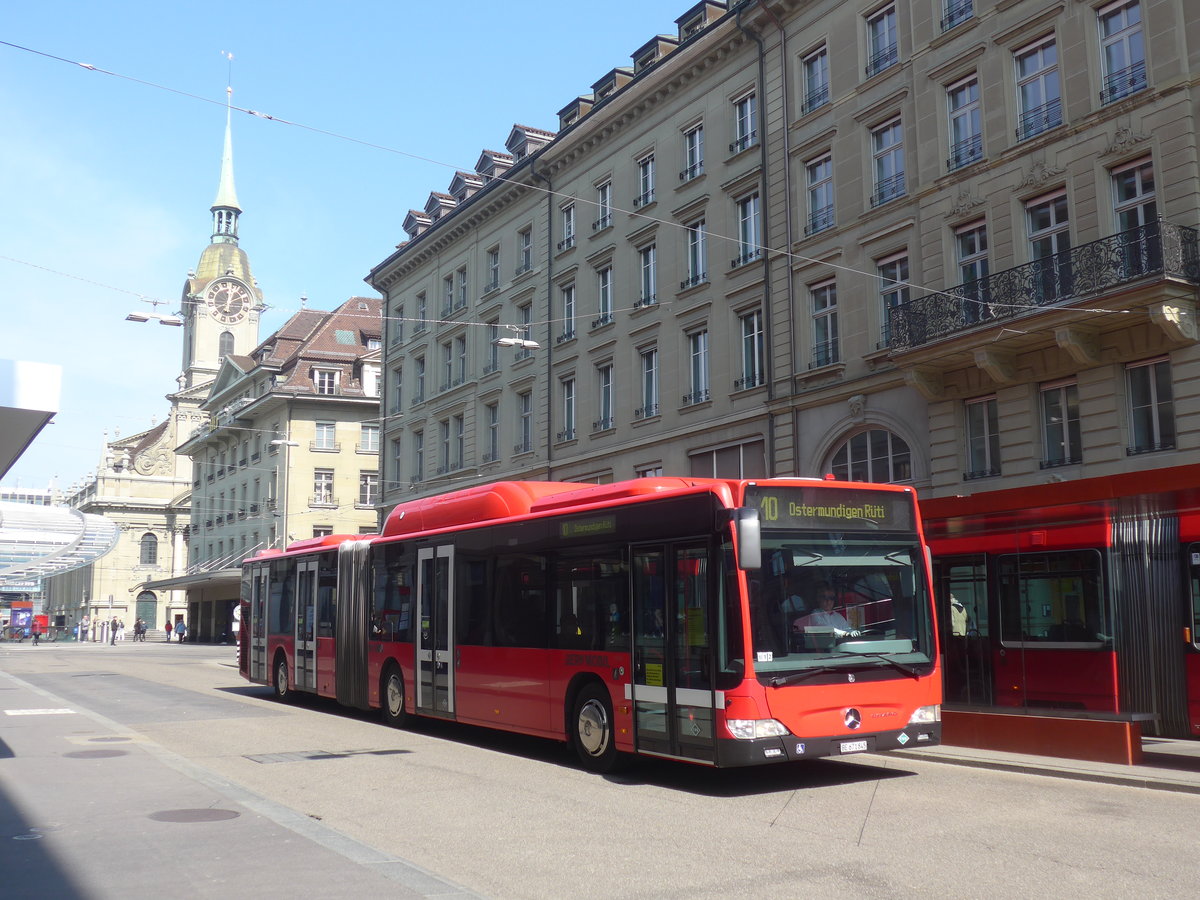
x=392 y=703
x=281 y=679
x=590 y=724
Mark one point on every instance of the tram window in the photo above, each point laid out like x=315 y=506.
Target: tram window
x=1052 y=598
x=964 y=590
x=326 y=594
x=520 y=607
x=1193 y=559
x=392 y=597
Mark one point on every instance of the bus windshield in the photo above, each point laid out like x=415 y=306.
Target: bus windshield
x=831 y=601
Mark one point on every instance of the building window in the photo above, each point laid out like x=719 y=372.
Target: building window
x=1049 y=243
x=819 y=176
x=148 y=555
x=966 y=123
x=651 y=471
x=604 y=398
x=957 y=12
x=525 y=322
x=1151 y=407
x=491 y=355
x=893 y=289
x=698 y=354
x=368 y=438
x=493 y=269
x=524 y=422
x=418 y=456
x=224 y=344
x=693 y=153
x=397 y=461
x=887 y=152
x=883 y=51
x=1061 y=444
x=971 y=248
x=746 y=460
x=491 y=438
x=460 y=301
x=603 y=206
x=444 y=462
x=604 y=283
x=649 y=277
x=753 y=351
x=368 y=488
x=825 y=324
x=447 y=366
x=448 y=292
x=325 y=436
x=983 y=438
x=1039 y=102
x=458 y=447
x=422 y=312
x=568 y=410
x=645 y=195
x=1123 y=50
x=648 y=366
x=872 y=455
x=524 y=250
x=568 y=313
x=398 y=325
x=816 y=79
x=1137 y=218
x=326 y=381
x=568 y=227
x=323 y=486
x=749 y=231
x=745 y=122
x=320 y=531
x=419 y=380
x=697 y=255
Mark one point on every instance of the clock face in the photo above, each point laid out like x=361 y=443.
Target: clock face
x=228 y=301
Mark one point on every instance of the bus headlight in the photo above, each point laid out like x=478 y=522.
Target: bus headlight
x=749 y=729
x=924 y=715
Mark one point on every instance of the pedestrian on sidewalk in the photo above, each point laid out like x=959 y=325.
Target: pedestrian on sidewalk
x=112 y=632
x=168 y=631
x=180 y=631
x=36 y=634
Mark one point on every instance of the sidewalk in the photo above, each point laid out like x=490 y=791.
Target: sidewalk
x=1168 y=765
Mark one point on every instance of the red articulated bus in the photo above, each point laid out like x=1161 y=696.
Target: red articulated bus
x=673 y=617
x=1081 y=595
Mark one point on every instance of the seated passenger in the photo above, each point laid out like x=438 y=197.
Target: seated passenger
x=824 y=616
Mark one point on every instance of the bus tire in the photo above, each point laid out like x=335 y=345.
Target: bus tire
x=592 y=732
x=391 y=697
x=283 y=688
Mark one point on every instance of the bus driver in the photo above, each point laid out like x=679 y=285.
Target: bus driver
x=824 y=616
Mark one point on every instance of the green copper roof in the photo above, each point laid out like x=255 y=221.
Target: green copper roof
x=226 y=193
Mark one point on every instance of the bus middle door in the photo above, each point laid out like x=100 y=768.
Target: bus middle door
x=435 y=640
x=260 y=577
x=305 y=677
x=672 y=688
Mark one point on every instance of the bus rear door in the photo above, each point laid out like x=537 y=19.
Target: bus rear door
x=672 y=673
x=435 y=642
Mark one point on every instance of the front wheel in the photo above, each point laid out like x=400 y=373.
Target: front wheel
x=391 y=698
x=592 y=731
x=283 y=686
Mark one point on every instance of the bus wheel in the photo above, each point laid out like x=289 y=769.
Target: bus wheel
x=391 y=698
x=592 y=729
x=283 y=690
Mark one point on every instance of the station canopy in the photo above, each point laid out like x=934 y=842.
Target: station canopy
x=39 y=541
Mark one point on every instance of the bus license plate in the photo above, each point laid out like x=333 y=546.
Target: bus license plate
x=853 y=746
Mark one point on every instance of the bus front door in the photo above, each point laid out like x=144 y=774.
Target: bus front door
x=672 y=689
x=305 y=677
x=435 y=642
x=259 y=579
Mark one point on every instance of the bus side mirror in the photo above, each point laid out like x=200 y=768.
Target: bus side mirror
x=749 y=538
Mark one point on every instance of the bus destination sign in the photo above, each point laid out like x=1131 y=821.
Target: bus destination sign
x=836 y=509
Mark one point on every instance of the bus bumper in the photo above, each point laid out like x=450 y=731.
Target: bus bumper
x=791 y=748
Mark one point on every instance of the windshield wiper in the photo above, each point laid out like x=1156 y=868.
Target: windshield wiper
x=781 y=680
x=894 y=663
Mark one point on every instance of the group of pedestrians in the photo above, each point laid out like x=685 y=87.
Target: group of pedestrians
x=109 y=631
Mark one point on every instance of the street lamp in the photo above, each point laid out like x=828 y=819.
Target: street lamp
x=518 y=339
x=283 y=487
x=172 y=320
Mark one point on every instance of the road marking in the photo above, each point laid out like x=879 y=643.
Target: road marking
x=39 y=712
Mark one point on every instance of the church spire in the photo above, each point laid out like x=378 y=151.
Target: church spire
x=225 y=208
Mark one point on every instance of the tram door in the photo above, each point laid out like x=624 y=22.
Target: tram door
x=435 y=641
x=672 y=689
x=962 y=598
x=258 y=623
x=305 y=676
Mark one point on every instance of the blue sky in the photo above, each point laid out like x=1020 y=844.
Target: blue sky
x=107 y=182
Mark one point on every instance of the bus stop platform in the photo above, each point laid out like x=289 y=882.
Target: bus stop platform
x=1165 y=764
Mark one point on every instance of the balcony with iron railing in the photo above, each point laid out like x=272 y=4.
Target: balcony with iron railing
x=1158 y=249
x=884 y=58
x=965 y=152
x=815 y=98
x=1038 y=119
x=1123 y=82
x=819 y=220
x=957 y=12
x=888 y=189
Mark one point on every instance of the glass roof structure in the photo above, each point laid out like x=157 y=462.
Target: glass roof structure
x=39 y=541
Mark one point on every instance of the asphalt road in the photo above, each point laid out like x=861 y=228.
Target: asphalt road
x=147 y=770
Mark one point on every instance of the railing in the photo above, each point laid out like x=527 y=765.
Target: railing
x=888 y=189
x=1158 y=248
x=747 y=256
x=602 y=320
x=819 y=220
x=815 y=98
x=744 y=141
x=824 y=354
x=568 y=335
x=700 y=396
x=1124 y=82
x=695 y=170
x=1040 y=118
x=965 y=152
x=643 y=199
x=957 y=12
x=883 y=59
x=603 y=424
x=693 y=281
x=649 y=411
x=567 y=434
x=603 y=222
x=567 y=242
x=749 y=381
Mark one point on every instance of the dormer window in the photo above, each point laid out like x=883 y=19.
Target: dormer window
x=325 y=381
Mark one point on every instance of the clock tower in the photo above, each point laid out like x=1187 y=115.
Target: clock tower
x=221 y=301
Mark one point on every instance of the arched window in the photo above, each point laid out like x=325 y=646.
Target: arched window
x=873 y=455
x=149 y=550
x=225 y=347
